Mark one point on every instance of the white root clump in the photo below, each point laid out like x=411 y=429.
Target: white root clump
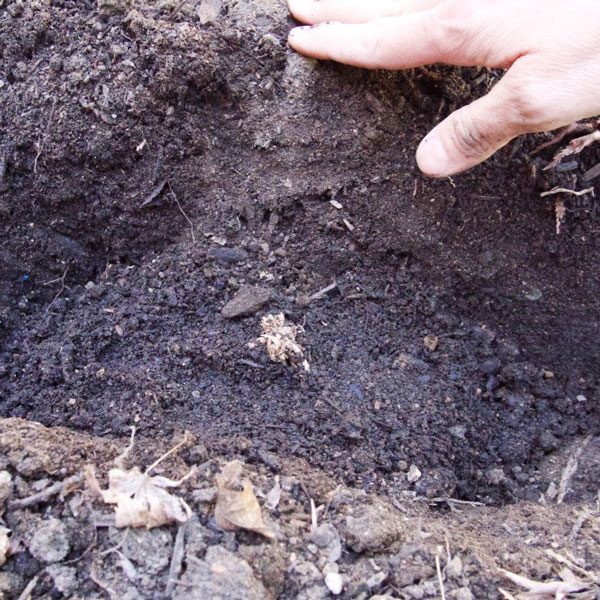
x=279 y=338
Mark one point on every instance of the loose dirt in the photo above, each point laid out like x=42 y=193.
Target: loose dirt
x=160 y=161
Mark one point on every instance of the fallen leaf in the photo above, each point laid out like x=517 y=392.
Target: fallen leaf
x=238 y=509
x=4 y=545
x=142 y=500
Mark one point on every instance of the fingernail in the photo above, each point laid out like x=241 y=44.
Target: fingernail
x=298 y=29
x=432 y=157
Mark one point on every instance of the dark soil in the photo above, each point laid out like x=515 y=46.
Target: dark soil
x=151 y=165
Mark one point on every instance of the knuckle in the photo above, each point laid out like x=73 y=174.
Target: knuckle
x=447 y=28
x=472 y=137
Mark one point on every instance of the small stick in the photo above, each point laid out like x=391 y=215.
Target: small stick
x=570 y=470
x=120 y=460
x=43 y=495
x=100 y=583
x=182 y=212
x=164 y=456
x=439 y=575
x=562 y=133
x=313 y=513
x=560 y=190
x=306 y=300
x=176 y=561
x=62 y=287
x=26 y=593
x=42 y=141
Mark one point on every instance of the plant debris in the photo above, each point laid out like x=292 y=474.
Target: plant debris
x=4 y=545
x=280 y=341
x=574 y=147
x=142 y=500
x=549 y=590
x=431 y=342
x=238 y=509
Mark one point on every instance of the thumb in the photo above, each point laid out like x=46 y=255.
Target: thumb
x=471 y=134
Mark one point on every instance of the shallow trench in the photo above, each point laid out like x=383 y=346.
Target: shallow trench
x=110 y=300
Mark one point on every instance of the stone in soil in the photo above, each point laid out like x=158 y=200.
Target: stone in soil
x=327 y=538
x=221 y=574
x=63 y=577
x=247 y=301
x=149 y=550
x=50 y=543
x=6 y=486
x=374 y=529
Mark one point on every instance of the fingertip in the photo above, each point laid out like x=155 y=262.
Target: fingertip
x=294 y=35
x=301 y=10
x=433 y=159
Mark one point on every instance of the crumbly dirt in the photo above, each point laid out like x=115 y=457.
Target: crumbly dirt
x=162 y=160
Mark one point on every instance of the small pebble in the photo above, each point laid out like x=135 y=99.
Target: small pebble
x=414 y=474
x=334 y=583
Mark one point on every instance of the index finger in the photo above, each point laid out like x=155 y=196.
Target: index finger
x=388 y=43
x=354 y=11
x=406 y=41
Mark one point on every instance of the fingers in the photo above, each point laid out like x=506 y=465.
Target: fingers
x=391 y=43
x=354 y=11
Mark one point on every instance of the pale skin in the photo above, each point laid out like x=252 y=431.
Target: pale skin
x=550 y=48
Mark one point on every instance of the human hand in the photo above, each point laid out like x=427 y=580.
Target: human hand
x=551 y=49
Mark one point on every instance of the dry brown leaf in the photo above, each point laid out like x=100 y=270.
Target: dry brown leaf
x=142 y=500
x=4 y=545
x=238 y=509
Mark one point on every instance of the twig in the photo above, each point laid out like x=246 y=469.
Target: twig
x=575 y=147
x=44 y=494
x=449 y=501
x=313 y=510
x=26 y=593
x=313 y=513
x=88 y=549
x=120 y=460
x=439 y=576
x=112 y=594
x=174 y=449
x=560 y=212
x=182 y=212
x=565 y=561
x=176 y=561
x=306 y=300
x=562 y=133
x=40 y=143
x=579 y=523
x=560 y=190
x=4 y=154
x=570 y=470
x=154 y=193
x=62 y=287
